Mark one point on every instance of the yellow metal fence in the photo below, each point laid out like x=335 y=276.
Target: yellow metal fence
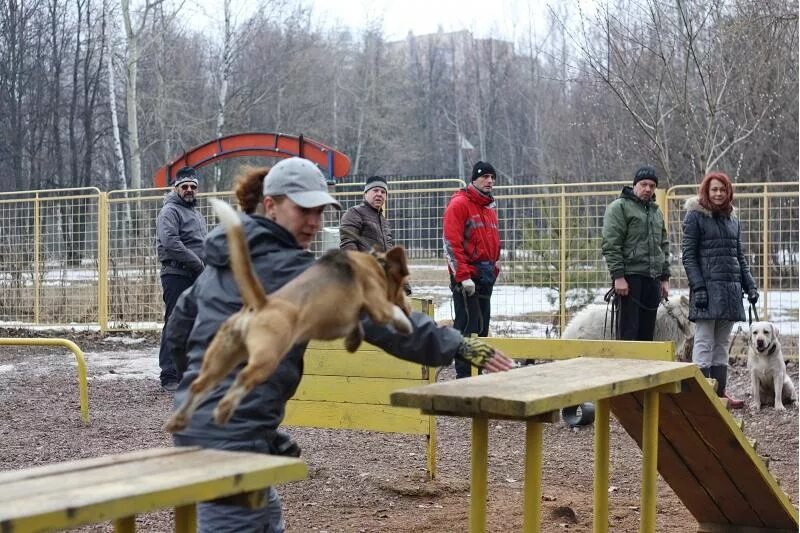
x=86 y=257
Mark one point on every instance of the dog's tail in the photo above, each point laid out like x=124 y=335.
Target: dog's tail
x=253 y=294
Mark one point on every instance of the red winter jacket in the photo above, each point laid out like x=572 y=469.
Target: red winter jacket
x=471 y=233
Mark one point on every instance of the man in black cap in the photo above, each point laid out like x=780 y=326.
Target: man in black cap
x=472 y=248
x=636 y=249
x=365 y=226
x=180 y=232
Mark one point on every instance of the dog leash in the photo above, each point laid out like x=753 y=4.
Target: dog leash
x=612 y=301
x=752 y=312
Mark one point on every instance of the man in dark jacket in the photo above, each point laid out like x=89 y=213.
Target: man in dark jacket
x=180 y=232
x=295 y=197
x=636 y=249
x=365 y=226
x=472 y=248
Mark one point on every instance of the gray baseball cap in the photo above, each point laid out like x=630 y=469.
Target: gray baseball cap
x=301 y=181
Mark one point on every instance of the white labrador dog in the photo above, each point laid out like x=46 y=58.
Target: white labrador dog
x=770 y=382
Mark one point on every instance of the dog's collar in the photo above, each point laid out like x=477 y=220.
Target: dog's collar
x=772 y=350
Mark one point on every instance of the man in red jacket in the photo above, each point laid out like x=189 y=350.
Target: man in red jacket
x=472 y=248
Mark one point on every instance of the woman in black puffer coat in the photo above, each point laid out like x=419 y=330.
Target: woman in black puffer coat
x=718 y=275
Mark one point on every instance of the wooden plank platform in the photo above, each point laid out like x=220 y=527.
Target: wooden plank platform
x=70 y=494
x=532 y=390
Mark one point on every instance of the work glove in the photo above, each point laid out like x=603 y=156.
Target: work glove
x=701 y=299
x=752 y=296
x=284 y=444
x=475 y=351
x=468 y=286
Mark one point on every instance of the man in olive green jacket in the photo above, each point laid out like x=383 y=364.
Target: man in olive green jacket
x=636 y=250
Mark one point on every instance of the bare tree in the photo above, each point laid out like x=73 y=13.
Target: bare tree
x=133 y=31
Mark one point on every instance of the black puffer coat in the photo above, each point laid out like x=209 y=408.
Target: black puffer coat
x=713 y=259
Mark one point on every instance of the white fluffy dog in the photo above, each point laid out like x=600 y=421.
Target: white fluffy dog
x=771 y=383
x=672 y=324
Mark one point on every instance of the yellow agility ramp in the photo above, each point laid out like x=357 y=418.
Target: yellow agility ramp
x=709 y=463
x=668 y=408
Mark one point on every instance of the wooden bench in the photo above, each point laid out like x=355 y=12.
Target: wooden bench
x=118 y=487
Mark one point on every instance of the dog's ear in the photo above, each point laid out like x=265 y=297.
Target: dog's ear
x=396 y=257
x=775 y=331
x=684 y=300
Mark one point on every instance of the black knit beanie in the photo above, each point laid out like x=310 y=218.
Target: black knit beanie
x=645 y=173
x=482 y=168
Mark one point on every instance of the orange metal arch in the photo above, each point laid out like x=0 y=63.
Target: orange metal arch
x=334 y=163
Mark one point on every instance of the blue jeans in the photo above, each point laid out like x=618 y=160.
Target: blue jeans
x=219 y=518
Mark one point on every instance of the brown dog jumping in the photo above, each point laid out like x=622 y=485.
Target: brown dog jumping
x=325 y=302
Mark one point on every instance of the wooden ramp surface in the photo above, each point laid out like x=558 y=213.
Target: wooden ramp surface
x=703 y=454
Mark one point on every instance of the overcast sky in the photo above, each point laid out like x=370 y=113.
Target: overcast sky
x=499 y=18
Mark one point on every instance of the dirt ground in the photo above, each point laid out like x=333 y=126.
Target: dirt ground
x=359 y=481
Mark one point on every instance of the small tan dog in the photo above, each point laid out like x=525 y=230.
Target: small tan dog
x=770 y=382
x=325 y=302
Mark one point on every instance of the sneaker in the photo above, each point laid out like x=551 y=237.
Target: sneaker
x=734 y=403
x=170 y=386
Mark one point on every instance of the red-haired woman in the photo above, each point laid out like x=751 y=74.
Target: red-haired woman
x=718 y=274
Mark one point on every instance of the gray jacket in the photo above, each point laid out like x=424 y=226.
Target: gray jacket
x=713 y=258
x=180 y=232
x=277 y=259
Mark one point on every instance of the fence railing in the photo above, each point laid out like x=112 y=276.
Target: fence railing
x=86 y=257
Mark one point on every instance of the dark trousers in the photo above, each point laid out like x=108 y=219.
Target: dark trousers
x=472 y=317
x=637 y=314
x=172 y=287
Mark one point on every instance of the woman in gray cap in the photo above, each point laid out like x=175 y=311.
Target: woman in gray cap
x=295 y=196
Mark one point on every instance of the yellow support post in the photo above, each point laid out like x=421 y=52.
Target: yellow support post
x=562 y=263
x=765 y=269
x=601 y=465
x=125 y=525
x=82 y=382
x=479 y=478
x=649 y=461
x=186 y=519
x=102 y=261
x=533 y=477
x=37 y=233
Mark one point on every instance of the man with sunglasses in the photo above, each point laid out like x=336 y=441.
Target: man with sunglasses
x=180 y=232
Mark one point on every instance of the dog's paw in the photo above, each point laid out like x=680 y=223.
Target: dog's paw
x=175 y=424
x=401 y=322
x=779 y=406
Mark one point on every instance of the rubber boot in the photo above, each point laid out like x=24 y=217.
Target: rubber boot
x=720 y=373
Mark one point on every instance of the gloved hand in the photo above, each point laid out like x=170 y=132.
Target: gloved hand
x=701 y=299
x=284 y=444
x=469 y=287
x=752 y=296
x=407 y=288
x=477 y=353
